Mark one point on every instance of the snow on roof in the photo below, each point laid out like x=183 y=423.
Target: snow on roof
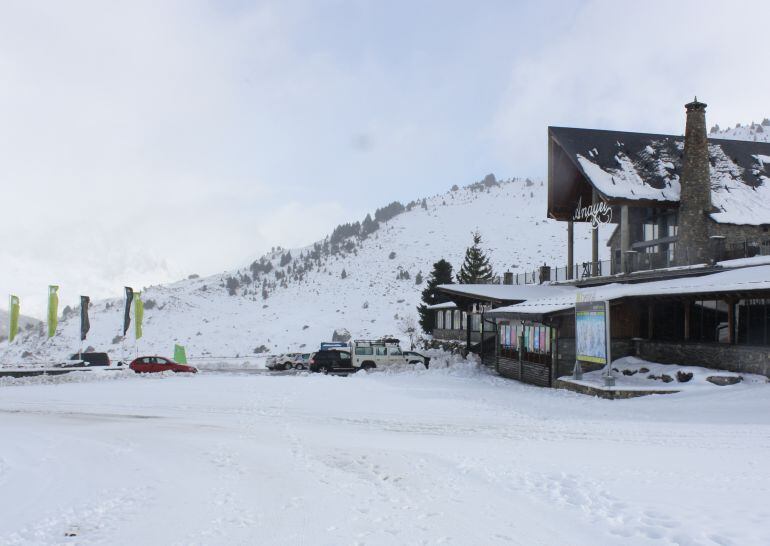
x=439 y=306
x=745 y=279
x=640 y=166
x=506 y=292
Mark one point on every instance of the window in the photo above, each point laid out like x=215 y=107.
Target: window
x=752 y=319
x=395 y=351
x=536 y=339
x=463 y=320
x=650 y=231
x=440 y=320
x=457 y=320
x=344 y=356
x=380 y=351
x=667 y=320
x=364 y=351
x=708 y=321
x=476 y=322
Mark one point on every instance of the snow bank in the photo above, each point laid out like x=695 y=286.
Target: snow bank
x=632 y=373
x=71 y=377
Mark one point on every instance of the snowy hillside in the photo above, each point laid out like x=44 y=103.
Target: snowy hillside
x=300 y=303
x=25 y=324
x=759 y=132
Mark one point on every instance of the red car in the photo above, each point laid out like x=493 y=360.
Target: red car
x=149 y=364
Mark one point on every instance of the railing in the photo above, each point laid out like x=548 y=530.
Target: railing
x=641 y=261
x=745 y=249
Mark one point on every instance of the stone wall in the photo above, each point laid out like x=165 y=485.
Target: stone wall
x=734 y=358
x=739 y=234
x=456 y=335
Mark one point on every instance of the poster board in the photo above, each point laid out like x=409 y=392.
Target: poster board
x=592 y=330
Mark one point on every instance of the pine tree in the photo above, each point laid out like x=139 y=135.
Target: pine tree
x=441 y=274
x=368 y=226
x=476 y=268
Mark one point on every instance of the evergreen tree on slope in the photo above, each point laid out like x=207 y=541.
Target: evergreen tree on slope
x=476 y=268
x=441 y=274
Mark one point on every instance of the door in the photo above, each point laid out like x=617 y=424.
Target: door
x=144 y=365
x=344 y=361
x=395 y=356
x=164 y=364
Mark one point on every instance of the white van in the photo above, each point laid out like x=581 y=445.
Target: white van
x=381 y=353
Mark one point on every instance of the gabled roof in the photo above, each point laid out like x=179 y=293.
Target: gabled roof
x=647 y=167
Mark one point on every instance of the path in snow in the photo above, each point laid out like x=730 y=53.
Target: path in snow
x=432 y=457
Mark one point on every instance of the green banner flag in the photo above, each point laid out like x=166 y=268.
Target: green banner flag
x=53 y=309
x=138 y=314
x=180 y=356
x=13 y=325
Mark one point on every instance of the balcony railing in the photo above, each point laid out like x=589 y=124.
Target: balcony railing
x=639 y=261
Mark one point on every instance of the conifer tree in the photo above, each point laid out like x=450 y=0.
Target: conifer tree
x=476 y=268
x=441 y=274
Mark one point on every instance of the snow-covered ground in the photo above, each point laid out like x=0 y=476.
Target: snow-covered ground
x=451 y=455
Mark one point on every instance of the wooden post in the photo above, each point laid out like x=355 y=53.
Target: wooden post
x=570 y=250
x=650 y=321
x=521 y=364
x=625 y=239
x=554 y=355
x=595 y=244
x=687 y=320
x=731 y=321
x=468 y=330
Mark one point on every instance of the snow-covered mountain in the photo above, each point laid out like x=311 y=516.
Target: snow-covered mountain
x=296 y=302
x=759 y=132
x=25 y=324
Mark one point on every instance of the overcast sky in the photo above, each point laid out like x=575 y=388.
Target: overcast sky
x=144 y=141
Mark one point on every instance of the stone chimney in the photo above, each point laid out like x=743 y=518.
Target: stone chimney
x=695 y=197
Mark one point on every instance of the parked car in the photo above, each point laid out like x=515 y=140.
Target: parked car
x=381 y=353
x=301 y=361
x=82 y=360
x=413 y=357
x=331 y=361
x=282 y=362
x=151 y=364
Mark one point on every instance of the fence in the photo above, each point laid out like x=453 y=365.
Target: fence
x=641 y=261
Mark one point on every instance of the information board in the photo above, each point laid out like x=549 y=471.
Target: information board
x=592 y=331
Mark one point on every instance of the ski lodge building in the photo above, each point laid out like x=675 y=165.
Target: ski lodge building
x=688 y=279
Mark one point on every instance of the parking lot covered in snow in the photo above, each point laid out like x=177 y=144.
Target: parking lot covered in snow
x=446 y=455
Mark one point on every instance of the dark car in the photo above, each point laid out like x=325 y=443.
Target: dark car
x=331 y=361
x=82 y=360
x=150 y=364
x=413 y=357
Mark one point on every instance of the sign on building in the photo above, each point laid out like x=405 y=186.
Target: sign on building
x=592 y=330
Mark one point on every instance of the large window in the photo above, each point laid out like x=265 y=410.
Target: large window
x=536 y=338
x=660 y=226
x=440 y=320
x=475 y=322
x=457 y=320
x=668 y=320
x=753 y=321
x=708 y=321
